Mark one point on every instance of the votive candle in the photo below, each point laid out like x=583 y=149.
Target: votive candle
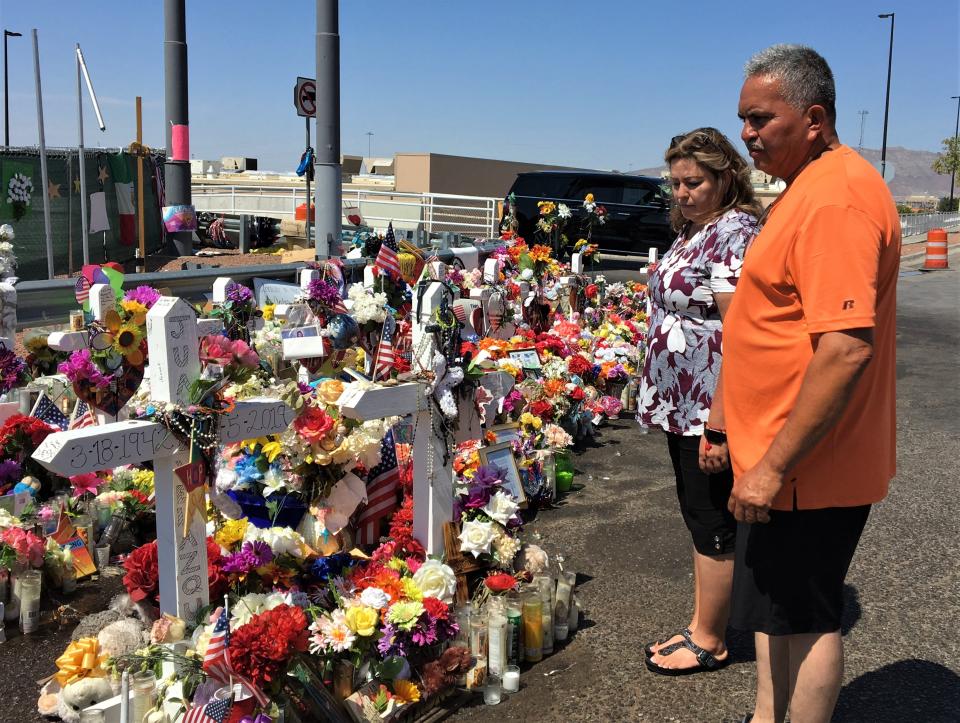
x=533 y=627
x=511 y=679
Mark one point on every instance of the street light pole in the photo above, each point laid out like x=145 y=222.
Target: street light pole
x=886 y=107
x=6 y=83
x=369 y=143
x=956 y=149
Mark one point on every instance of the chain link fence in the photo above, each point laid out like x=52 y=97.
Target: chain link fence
x=106 y=171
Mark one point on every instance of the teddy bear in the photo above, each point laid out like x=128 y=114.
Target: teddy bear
x=81 y=694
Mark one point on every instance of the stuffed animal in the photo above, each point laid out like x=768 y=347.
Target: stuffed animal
x=81 y=694
x=123 y=637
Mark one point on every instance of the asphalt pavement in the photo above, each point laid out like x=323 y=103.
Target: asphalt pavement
x=621 y=531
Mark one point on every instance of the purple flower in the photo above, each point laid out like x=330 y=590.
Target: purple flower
x=393 y=642
x=12 y=370
x=424 y=632
x=486 y=476
x=146 y=295
x=239 y=294
x=324 y=292
x=251 y=556
x=9 y=471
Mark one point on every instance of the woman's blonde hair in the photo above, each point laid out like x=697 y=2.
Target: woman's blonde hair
x=713 y=152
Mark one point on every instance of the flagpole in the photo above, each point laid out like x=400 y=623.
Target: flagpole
x=44 y=178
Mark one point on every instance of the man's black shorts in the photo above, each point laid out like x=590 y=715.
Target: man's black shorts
x=788 y=574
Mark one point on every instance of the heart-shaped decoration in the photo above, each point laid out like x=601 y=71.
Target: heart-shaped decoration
x=111 y=401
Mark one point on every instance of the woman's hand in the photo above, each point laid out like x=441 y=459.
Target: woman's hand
x=714 y=458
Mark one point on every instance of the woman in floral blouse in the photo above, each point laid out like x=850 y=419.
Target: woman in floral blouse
x=715 y=213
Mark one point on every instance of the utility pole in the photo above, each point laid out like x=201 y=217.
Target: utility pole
x=177 y=165
x=886 y=107
x=369 y=143
x=6 y=84
x=956 y=149
x=329 y=192
x=863 y=121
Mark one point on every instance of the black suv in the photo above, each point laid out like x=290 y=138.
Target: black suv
x=638 y=207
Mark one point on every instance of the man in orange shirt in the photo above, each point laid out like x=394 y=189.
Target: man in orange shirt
x=808 y=382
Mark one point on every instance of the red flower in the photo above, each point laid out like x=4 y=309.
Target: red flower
x=591 y=291
x=143 y=577
x=21 y=428
x=437 y=609
x=261 y=649
x=577 y=394
x=578 y=365
x=500 y=582
x=543 y=409
x=313 y=424
x=219 y=582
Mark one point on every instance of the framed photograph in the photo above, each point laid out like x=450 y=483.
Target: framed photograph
x=527 y=358
x=506 y=432
x=501 y=455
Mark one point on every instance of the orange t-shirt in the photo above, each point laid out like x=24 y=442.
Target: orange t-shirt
x=827 y=259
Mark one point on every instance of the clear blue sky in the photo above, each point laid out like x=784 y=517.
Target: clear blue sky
x=601 y=85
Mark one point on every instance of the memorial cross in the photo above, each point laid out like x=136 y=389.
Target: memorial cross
x=173 y=340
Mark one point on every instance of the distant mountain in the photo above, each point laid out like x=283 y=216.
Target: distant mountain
x=912 y=175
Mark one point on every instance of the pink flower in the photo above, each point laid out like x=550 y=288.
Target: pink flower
x=216 y=350
x=28 y=547
x=244 y=355
x=83 y=483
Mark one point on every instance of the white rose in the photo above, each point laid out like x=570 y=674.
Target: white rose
x=476 y=536
x=526 y=274
x=501 y=507
x=436 y=580
x=374 y=597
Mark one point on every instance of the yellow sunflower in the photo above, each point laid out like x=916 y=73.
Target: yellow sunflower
x=126 y=342
x=135 y=311
x=406 y=691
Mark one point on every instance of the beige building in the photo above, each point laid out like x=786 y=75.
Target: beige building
x=460 y=175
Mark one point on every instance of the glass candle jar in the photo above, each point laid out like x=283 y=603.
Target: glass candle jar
x=144 y=687
x=497 y=644
x=102 y=557
x=12 y=612
x=30 y=602
x=478 y=650
x=511 y=679
x=514 y=614
x=532 y=627
x=92 y=716
x=491 y=690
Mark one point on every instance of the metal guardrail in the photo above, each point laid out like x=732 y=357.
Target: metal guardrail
x=49 y=302
x=912 y=224
x=433 y=212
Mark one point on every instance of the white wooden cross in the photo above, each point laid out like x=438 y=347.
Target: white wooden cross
x=175 y=363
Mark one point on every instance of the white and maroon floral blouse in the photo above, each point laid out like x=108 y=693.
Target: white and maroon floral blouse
x=685 y=331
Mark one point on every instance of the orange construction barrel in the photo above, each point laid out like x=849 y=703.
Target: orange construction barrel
x=936 y=249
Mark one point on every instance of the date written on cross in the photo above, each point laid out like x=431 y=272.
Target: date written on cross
x=119 y=443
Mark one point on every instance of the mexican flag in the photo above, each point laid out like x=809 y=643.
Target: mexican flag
x=123 y=186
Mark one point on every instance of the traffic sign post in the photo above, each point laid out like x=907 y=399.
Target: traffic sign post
x=305 y=97
x=305 y=102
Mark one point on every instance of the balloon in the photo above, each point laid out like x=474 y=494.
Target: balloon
x=343 y=330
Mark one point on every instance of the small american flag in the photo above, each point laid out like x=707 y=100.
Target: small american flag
x=334 y=269
x=387 y=258
x=83 y=416
x=46 y=411
x=382 y=485
x=216 y=711
x=215 y=663
x=385 y=358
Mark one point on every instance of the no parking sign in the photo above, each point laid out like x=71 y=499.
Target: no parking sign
x=305 y=97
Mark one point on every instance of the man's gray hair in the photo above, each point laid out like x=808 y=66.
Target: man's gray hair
x=805 y=78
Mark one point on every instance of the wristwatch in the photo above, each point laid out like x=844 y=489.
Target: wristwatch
x=714 y=436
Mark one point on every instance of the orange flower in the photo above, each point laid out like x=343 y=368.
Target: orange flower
x=494 y=347
x=552 y=387
x=540 y=253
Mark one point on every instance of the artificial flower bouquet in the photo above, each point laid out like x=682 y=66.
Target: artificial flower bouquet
x=238 y=311
x=20 y=436
x=13 y=371
x=488 y=515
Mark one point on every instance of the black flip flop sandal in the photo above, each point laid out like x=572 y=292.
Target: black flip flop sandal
x=648 y=648
x=706 y=662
